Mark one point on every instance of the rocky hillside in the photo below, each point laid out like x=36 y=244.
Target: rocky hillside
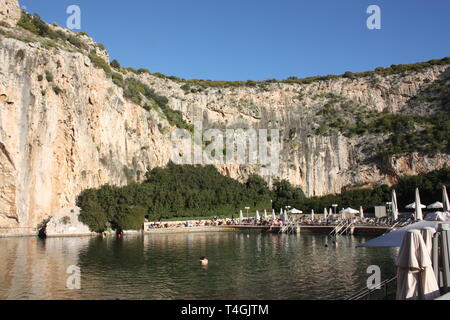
x=69 y=121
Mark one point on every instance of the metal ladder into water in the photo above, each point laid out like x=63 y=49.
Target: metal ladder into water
x=349 y=226
x=337 y=229
x=290 y=228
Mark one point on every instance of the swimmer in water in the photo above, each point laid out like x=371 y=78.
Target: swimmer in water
x=203 y=261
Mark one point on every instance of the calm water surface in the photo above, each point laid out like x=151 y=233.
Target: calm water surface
x=242 y=266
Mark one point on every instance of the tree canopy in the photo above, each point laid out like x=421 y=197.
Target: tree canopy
x=201 y=191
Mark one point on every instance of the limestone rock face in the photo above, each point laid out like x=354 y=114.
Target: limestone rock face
x=54 y=144
x=66 y=223
x=75 y=130
x=9 y=13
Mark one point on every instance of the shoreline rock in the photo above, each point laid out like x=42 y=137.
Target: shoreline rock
x=65 y=223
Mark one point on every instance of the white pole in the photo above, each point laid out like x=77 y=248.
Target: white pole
x=445 y=201
x=419 y=215
x=394 y=205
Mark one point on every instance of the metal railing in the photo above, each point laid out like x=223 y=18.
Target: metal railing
x=337 y=229
x=366 y=293
x=348 y=227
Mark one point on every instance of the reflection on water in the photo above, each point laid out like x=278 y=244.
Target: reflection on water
x=241 y=266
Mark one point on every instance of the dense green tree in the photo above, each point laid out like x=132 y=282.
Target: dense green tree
x=92 y=214
x=201 y=191
x=129 y=218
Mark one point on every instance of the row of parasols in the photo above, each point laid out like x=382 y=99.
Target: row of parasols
x=416 y=205
x=283 y=215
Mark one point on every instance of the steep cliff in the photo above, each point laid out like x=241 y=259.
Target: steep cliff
x=66 y=125
x=9 y=13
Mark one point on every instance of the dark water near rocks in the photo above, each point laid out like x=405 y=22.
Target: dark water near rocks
x=242 y=266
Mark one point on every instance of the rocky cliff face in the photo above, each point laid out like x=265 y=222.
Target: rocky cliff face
x=65 y=127
x=9 y=13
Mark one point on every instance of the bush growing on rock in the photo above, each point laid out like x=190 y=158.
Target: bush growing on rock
x=49 y=76
x=20 y=55
x=115 y=64
x=100 y=63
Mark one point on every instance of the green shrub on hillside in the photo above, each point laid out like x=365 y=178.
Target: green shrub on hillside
x=49 y=76
x=394 y=69
x=402 y=133
x=36 y=25
x=20 y=55
x=115 y=64
x=143 y=70
x=141 y=94
x=100 y=63
x=118 y=79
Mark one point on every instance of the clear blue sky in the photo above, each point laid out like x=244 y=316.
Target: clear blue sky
x=259 y=39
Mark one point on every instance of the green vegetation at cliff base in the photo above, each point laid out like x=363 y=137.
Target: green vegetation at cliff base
x=176 y=191
x=197 y=191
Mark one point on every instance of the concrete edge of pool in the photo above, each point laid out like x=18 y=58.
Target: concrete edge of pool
x=358 y=231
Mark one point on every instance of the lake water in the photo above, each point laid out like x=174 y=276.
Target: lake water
x=165 y=266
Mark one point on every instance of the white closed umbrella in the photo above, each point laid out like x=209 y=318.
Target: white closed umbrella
x=394 y=205
x=445 y=202
x=241 y=216
x=419 y=215
x=285 y=218
x=415 y=275
x=274 y=216
x=331 y=212
x=257 y=217
x=265 y=214
x=436 y=205
x=325 y=213
x=427 y=235
x=312 y=215
x=361 y=213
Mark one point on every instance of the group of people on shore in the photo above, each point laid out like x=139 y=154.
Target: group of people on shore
x=215 y=222
x=269 y=222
